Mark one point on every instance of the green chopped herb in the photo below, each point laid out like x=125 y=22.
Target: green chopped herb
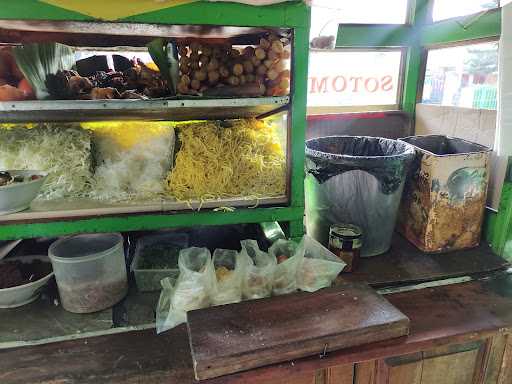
x=160 y=257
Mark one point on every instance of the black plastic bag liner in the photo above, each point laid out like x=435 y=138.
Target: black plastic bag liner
x=385 y=159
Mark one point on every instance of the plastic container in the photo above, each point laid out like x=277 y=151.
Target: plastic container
x=355 y=180
x=90 y=271
x=149 y=279
x=444 y=199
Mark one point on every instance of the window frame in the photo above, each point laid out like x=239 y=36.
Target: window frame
x=416 y=37
x=421 y=84
x=316 y=110
x=407 y=21
x=462 y=16
x=457 y=31
x=368 y=37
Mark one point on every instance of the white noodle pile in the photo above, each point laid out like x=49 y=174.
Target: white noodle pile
x=62 y=151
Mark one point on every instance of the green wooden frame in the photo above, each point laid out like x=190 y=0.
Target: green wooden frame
x=416 y=36
x=294 y=15
x=498 y=225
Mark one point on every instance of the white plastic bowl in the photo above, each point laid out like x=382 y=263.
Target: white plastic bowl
x=23 y=294
x=17 y=197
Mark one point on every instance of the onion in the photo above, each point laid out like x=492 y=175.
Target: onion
x=25 y=87
x=10 y=93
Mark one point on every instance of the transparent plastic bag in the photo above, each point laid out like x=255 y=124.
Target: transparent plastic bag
x=191 y=291
x=259 y=271
x=319 y=267
x=229 y=269
x=289 y=257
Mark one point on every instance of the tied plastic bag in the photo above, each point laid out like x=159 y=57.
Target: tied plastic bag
x=229 y=269
x=259 y=271
x=319 y=267
x=191 y=291
x=289 y=257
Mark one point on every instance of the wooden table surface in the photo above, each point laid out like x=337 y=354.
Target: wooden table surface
x=439 y=316
x=405 y=264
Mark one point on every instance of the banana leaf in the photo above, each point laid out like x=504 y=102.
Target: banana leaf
x=163 y=55
x=37 y=61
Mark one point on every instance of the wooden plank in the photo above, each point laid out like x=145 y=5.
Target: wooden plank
x=365 y=372
x=77 y=209
x=450 y=369
x=506 y=365
x=228 y=339
x=404 y=369
x=320 y=377
x=305 y=379
x=151 y=31
x=407 y=373
x=404 y=263
x=453 y=348
x=342 y=374
x=494 y=359
x=130 y=358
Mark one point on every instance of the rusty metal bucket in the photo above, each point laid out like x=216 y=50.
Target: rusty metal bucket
x=443 y=204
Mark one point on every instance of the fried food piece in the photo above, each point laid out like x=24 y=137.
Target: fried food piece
x=104 y=93
x=222 y=273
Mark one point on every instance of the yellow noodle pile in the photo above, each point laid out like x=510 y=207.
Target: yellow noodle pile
x=243 y=160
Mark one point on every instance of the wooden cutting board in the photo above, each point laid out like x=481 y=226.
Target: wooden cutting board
x=238 y=337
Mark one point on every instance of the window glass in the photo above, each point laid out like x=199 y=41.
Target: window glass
x=445 y=9
x=327 y=14
x=353 y=78
x=464 y=76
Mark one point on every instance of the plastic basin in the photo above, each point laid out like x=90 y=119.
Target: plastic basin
x=90 y=271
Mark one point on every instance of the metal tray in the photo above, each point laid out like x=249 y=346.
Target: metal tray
x=177 y=110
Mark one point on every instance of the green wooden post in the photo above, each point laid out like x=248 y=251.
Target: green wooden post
x=421 y=14
x=411 y=80
x=298 y=125
x=498 y=225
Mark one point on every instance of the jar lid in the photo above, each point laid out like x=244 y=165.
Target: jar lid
x=346 y=231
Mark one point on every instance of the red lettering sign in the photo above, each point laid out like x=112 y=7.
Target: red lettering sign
x=387 y=83
x=336 y=84
x=317 y=87
x=354 y=84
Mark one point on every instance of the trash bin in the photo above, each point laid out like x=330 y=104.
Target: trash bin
x=444 y=199
x=355 y=180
